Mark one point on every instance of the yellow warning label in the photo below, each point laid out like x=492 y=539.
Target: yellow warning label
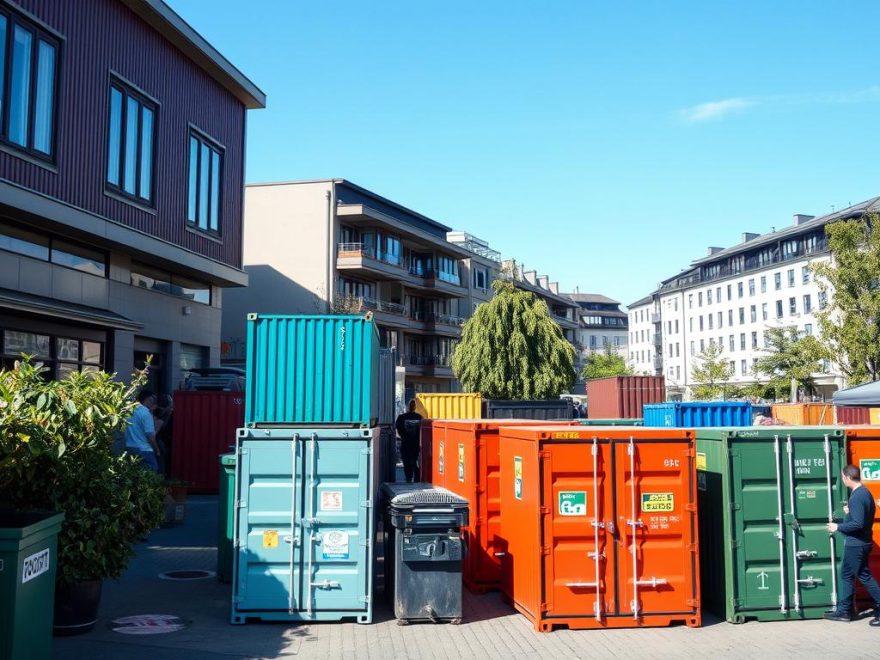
x=270 y=538
x=657 y=502
x=566 y=434
x=701 y=461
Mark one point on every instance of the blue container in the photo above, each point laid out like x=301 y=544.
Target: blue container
x=305 y=520
x=698 y=414
x=312 y=371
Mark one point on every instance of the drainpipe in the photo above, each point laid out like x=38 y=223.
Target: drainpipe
x=331 y=253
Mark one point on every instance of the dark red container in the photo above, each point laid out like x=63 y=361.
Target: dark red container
x=852 y=415
x=204 y=426
x=622 y=397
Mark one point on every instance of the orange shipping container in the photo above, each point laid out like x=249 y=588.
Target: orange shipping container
x=863 y=451
x=622 y=397
x=465 y=461
x=599 y=526
x=804 y=414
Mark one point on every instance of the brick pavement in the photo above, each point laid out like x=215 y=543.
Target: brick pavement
x=491 y=629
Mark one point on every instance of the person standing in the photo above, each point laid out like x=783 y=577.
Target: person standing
x=856 y=529
x=409 y=429
x=140 y=434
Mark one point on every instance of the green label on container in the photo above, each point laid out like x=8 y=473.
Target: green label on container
x=460 y=461
x=658 y=502
x=440 y=460
x=572 y=503
x=870 y=468
x=517 y=477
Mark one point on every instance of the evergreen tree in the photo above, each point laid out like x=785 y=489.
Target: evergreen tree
x=511 y=348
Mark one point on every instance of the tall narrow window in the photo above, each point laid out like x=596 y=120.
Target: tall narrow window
x=205 y=175
x=28 y=74
x=131 y=131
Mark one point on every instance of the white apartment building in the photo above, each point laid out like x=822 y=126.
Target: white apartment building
x=645 y=337
x=732 y=296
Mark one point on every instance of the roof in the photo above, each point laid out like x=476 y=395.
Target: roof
x=647 y=300
x=592 y=298
x=169 y=24
x=870 y=206
x=862 y=395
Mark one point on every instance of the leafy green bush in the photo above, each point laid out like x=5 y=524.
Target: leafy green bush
x=56 y=440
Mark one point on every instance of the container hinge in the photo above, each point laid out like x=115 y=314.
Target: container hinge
x=367 y=451
x=736 y=602
x=545 y=455
x=690 y=507
x=545 y=607
x=734 y=543
x=545 y=550
x=237 y=599
x=364 y=599
x=692 y=547
x=480 y=521
x=734 y=506
x=691 y=453
x=367 y=504
x=693 y=602
x=366 y=543
x=240 y=504
x=598 y=523
x=545 y=510
x=242 y=451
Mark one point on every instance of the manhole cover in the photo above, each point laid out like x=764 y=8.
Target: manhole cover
x=187 y=575
x=148 y=624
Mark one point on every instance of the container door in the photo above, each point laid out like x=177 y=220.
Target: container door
x=578 y=528
x=337 y=524
x=864 y=453
x=267 y=526
x=488 y=498
x=656 y=515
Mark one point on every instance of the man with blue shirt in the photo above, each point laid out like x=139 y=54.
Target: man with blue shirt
x=856 y=529
x=140 y=434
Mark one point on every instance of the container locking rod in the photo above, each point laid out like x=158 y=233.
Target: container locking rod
x=832 y=540
x=780 y=532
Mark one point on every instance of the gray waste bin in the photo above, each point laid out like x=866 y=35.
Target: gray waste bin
x=424 y=552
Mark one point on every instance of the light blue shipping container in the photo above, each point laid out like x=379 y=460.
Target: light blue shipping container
x=312 y=370
x=697 y=414
x=305 y=520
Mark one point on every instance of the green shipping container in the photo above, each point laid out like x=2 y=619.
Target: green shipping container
x=765 y=495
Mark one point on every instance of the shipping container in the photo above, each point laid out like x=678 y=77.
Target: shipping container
x=623 y=396
x=766 y=495
x=875 y=415
x=804 y=414
x=203 y=427
x=537 y=409
x=598 y=526
x=851 y=415
x=426 y=451
x=386 y=399
x=863 y=451
x=467 y=464
x=637 y=421
x=695 y=414
x=312 y=370
x=449 y=406
x=305 y=523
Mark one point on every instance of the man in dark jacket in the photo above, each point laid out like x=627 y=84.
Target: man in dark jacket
x=409 y=428
x=856 y=529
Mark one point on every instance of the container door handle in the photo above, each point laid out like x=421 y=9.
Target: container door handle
x=596 y=524
x=832 y=540
x=795 y=565
x=780 y=532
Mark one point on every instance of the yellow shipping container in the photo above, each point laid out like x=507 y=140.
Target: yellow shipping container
x=875 y=415
x=804 y=414
x=449 y=406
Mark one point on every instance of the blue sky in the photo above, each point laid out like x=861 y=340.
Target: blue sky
x=606 y=144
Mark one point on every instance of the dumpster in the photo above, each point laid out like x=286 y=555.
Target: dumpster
x=765 y=496
x=538 y=409
x=28 y=559
x=695 y=414
x=305 y=521
x=863 y=451
x=598 y=526
x=804 y=414
x=423 y=552
x=635 y=421
x=623 y=396
x=225 y=518
x=449 y=406
x=313 y=370
x=467 y=464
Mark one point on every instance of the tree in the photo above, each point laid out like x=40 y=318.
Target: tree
x=511 y=348
x=711 y=373
x=607 y=363
x=791 y=358
x=850 y=325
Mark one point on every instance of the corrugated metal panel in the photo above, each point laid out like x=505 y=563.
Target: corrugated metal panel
x=449 y=406
x=697 y=414
x=203 y=427
x=623 y=396
x=545 y=409
x=104 y=36
x=387 y=408
x=852 y=415
x=307 y=370
x=804 y=414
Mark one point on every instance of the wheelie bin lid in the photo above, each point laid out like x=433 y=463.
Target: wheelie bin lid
x=403 y=496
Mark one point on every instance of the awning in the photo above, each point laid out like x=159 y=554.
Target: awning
x=863 y=395
x=31 y=304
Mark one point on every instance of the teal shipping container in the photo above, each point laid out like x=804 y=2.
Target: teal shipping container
x=698 y=414
x=313 y=371
x=305 y=522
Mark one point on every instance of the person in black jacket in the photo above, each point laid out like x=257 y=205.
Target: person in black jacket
x=409 y=428
x=856 y=529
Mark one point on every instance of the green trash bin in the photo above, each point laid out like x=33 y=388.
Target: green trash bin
x=225 y=518
x=28 y=558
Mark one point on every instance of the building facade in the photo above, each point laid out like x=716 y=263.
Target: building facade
x=122 y=140
x=645 y=337
x=601 y=325
x=562 y=308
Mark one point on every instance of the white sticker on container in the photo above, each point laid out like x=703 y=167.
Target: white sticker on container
x=35 y=565
x=331 y=500
x=334 y=545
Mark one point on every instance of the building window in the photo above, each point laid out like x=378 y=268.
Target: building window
x=731 y=343
x=690 y=301
x=823 y=299
x=447 y=270
x=730 y=317
x=764 y=314
x=743 y=365
x=752 y=287
x=805 y=274
x=792 y=306
x=691 y=324
x=742 y=315
x=754 y=340
x=701 y=322
x=753 y=311
x=779 y=309
x=203 y=206
x=700 y=298
x=676 y=326
x=678 y=373
x=742 y=341
x=720 y=319
x=670 y=350
x=790 y=249
x=739 y=290
x=130 y=143
x=28 y=84
x=711 y=322
x=677 y=349
x=791 y=277
x=702 y=346
x=777 y=281
x=718 y=294
x=808 y=304
x=709 y=297
x=61 y=355
x=147 y=277
x=808 y=329
x=732 y=367
x=729 y=296
x=481 y=278
x=763 y=284
x=693 y=348
x=57 y=251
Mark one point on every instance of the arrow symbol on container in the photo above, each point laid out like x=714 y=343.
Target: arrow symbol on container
x=762 y=576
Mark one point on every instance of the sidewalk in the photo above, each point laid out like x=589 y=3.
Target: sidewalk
x=491 y=629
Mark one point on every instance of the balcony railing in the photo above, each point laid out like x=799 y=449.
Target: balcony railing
x=383 y=306
x=434 y=317
x=428 y=360
x=362 y=250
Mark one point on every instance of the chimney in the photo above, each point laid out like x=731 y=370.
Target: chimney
x=544 y=282
x=749 y=236
x=531 y=276
x=801 y=218
x=714 y=250
x=554 y=287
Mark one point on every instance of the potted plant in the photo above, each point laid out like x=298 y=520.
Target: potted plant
x=56 y=441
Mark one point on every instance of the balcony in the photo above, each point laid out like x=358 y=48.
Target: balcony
x=436 y=280
x=428 y=365
x=436 y=322
x=368 y=262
